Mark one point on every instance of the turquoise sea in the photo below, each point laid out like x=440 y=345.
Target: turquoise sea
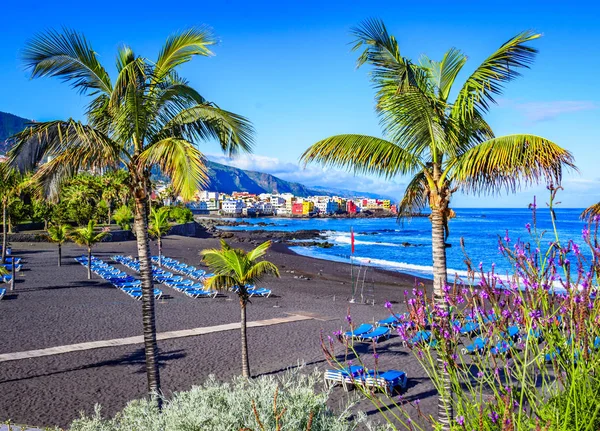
x=382 y=242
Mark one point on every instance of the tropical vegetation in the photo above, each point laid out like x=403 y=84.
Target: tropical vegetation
x=59 y=234
x=88 y=237
x=531 y=359
x=159 y=227
x=147 y=116
x=237 y=270
x=443 y=142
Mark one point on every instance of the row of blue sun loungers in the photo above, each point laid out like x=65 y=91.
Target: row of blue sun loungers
x=177 y=282
x=189 y=270
x=121 y=280
x=356 y=375
x=2 y=292
x=198 y=274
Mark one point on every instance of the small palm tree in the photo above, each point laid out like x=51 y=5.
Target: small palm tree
x=234 y=270
x=59 y=234
x=159 y=227
x=9 y=178
x=88 y=237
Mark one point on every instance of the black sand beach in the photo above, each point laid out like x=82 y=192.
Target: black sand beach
x=54 y=306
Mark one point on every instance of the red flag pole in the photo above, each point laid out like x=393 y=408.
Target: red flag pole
x=352 y=261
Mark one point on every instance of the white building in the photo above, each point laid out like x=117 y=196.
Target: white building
x=232 y=206
x=327 y=206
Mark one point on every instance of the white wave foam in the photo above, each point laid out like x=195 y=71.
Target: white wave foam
x=342 y=239
x=403 y=266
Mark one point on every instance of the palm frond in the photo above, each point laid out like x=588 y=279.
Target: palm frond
x=221 y=282
x=54 y=138
x=181 y=161
x=591 y=212
x=68 y=56
x=449 y=68
x=261 y=269
x=391 y=70
x=181 y=47
x=259 y=251
x=362 y=155
x=416 y=197
x=202 y=122
x=489 y=78
x=508 y=162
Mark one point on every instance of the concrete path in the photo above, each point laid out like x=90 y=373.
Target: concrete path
x=5 y=357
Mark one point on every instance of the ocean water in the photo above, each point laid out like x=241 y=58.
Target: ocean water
x=383 y=242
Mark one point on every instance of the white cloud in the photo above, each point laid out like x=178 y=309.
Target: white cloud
x=543 y=111
x=312 y=175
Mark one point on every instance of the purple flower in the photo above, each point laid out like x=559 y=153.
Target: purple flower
x=493 y=416
x=528 y=227
x=388 y=305
x=479 y=374
x=376 y=355
x=349 y=318
x=460 y=420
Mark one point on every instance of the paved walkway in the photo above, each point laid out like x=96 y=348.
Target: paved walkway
x=140 y=339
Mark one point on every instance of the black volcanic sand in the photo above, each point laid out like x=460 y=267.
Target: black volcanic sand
x=54 y=306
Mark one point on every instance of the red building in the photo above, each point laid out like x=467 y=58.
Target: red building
x=297 y=208
x=350 y=207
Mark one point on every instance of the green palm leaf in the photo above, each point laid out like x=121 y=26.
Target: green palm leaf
x=510 y=161
x=362 y=155
x=68 y=56
x=181 y=161
x=415 y=196
x=181 y=47
x=489 y=78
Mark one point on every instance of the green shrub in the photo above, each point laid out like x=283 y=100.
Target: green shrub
x=181 y=215
x=123 y=217
x=216 y=406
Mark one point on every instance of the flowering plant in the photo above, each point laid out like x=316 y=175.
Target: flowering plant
x=519 y=351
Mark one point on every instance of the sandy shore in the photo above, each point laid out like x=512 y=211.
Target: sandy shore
x=54 y=306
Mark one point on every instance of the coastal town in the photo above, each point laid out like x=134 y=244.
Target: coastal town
x=285 y=205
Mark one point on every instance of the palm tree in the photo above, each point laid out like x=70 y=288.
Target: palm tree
x=59 y=234
x=9 y=179
x=148 y=116
x=235 y=269
x=445 y=145
x=88 y=237
x=159 y=227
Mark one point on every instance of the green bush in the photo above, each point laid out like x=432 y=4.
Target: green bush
x=216 y=406
x=123 y=217
x=181 y=215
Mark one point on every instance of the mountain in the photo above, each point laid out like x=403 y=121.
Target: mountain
x=9 y=125
x=223 y=178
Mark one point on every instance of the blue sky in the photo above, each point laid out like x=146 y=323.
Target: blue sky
x=288 y=67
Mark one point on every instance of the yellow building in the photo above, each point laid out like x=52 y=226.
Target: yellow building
x=386 y=204
x=308 y=207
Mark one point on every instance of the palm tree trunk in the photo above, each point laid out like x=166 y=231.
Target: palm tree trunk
x=245 y=362
x=148 y=315
x=59 y=255
x=159 y=251
x=3 y=231
x=13 y=272
x=438 y=243
x=89 y=263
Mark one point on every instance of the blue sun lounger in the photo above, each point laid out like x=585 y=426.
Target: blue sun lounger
x=362 y=329
x=393 y=320
x=478 y=345
x=260 y=291
x=2 y=292
x=422 y=337
x=200 y=293
x=333 y=377
x=468 y=328
x=380 y=332
x=387 y=381
x=6 y=278
x=16 y=260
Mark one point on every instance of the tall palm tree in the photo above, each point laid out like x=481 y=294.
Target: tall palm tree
x=148 y=116
x=445 y=145
x=159 y=227
x=236 y=269
x=58 y=234
x=88 y=237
